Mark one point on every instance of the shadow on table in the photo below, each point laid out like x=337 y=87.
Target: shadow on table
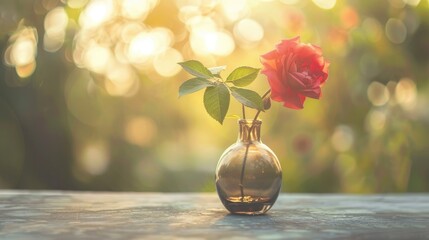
x=245 y=222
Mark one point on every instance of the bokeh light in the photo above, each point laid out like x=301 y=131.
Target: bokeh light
x=378 y=94
x=372 y=28
x=96 y=13
x=343 y=138
x=121 y=81
x=94 y=159
x=406 y=93
x=22 y=51
x=325 y=4
x=137 y=9
x=248 y=32
x=234 y=10
x=55 y=29
x=291 y=2
x=140 y=131
x=97 y=57
x=165 y=63
x=95 y=98
x=146 y=45
x=76 y=3
x=396 y=30
x=375 y=120
x=413 y=3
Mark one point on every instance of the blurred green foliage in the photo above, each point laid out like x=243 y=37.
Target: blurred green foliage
x=89 y=95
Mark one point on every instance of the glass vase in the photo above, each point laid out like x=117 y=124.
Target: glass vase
x=248 y=174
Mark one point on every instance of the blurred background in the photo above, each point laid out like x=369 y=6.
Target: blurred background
x=89 y=93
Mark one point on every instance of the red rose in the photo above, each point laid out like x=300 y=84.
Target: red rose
x=295 y=71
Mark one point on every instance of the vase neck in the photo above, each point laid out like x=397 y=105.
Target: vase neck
x=249 y=132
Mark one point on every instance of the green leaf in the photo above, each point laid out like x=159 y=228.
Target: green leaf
x=196 y=68
x=193 y=85
x=233 y=116
x=243 y=76
x=216 y=102
x=217 y=70
x=248 y=97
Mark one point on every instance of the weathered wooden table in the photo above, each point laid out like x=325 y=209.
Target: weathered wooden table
x=90 y=215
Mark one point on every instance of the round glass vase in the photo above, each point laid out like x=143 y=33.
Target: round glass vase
x=248 y=174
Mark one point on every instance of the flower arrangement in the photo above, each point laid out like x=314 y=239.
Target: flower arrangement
x=294 y=71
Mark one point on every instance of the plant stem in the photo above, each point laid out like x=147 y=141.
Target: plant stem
x=266 y=93
x=246 y=153
x=244 y=111
x=259 y=111
x=242 y=171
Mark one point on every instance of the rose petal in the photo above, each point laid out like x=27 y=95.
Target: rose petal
x=295 y=82
x=269 y=64
x=317 y=49
x=323 y=77
x=306 y=51
x=270 y=55
x=273 y=79
x=290 y=63
x=295 y=71
x=291 y=99
x=312 y=93
x=295 y=102
x=314 y=65
x=288 y=44
x=276 y=96
x=326 y=66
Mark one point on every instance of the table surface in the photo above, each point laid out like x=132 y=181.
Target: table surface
x=101 y=215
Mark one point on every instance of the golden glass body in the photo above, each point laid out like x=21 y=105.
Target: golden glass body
x=248 y=174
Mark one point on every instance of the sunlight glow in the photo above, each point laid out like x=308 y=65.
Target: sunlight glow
x=130 y=30
x=22 y=52
x=96 y=13
x=349 y=17
x=234 y=10
x=188 y=12
x=56 y=22
x=122 y=80
x=55 y=29
x=375 y=121
x=94 y=159
x=52 y=44
x=200 y=23
x=97 y=57
x=146 y=45
x=343 y=138
x=114 y=42
x=135 y=9
x=325 y=4
x=76 y=3
x=413 y=3
x=26 y=70
x=166 y=63
x=140 y=131
x=142 y=47
x=248 y=31
x=406 y=93
x=212 y=42
x=290 y=2
x=378 y=94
